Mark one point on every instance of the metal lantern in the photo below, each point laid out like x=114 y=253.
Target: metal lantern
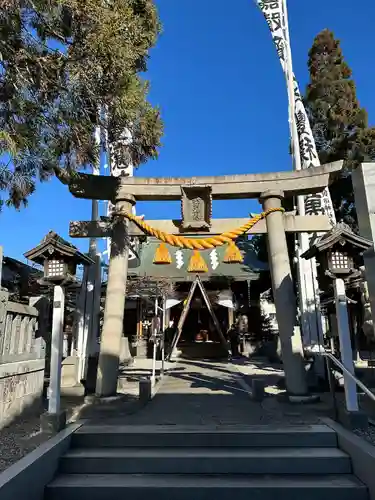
x=58 y=257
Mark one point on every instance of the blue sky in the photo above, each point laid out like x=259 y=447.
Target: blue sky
x=216 y=77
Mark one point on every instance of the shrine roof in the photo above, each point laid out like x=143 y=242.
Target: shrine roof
x=144 y=265
x=52 y=241
x=340 y=233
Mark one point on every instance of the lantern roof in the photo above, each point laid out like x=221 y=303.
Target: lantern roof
x=53 y=243
x=342 y=234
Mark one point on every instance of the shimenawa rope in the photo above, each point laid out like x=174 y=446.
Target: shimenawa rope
x=198 y=243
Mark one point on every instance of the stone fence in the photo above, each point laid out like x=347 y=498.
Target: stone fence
x=22 y=359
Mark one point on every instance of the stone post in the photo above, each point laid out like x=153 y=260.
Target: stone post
x=4 y=298
x=55 y=419
x=56 y=350
x=106 y=383
x=285 y=300
x=346 y=351
x=363 y=179
x=43 y=336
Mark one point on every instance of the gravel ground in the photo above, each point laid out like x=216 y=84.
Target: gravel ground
x=24 y=435
x=368 y=434
x=18 y=439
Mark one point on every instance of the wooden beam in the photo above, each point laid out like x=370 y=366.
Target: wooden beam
x=292 y=223
x=310 y=180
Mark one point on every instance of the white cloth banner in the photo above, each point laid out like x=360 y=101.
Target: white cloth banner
x=121 y=162
x=169 y=303
x=319 y=203
x=225 y=299
x=226 y=303
x=118 y=168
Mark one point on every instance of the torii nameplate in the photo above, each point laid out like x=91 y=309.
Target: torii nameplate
x=196 y=207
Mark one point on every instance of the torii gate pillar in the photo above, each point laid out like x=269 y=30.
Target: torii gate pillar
x=285 y=300
x=106 y=382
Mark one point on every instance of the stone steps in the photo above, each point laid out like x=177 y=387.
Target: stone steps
x=181 y=463
x=206 y=461
x=119 y=436
x=201 y=487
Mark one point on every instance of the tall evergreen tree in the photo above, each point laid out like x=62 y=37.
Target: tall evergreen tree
x=60 y=61
x=339 y=124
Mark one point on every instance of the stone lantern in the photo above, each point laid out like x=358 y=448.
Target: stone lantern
x=339 y=254
x=59 y=259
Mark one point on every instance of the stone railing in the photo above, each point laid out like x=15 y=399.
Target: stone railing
x=22 y=354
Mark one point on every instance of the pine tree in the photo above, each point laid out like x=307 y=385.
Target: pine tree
x=60 y=62
x=339 y=124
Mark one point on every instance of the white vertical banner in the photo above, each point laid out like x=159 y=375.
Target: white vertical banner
x=275 y=13
x=315 y=204
x=120 y=164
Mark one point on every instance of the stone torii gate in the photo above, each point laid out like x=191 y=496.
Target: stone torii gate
x=269 y=188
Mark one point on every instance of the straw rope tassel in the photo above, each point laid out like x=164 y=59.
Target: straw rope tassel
x=197 y=263
x=162 y=255
x=233 y=254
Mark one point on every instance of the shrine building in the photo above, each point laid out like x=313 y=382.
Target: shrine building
x=231 y=288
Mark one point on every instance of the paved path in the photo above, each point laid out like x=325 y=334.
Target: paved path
x=197 y=392
x=211 y=393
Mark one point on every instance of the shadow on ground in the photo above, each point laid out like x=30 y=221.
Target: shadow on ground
x=196 y=392
x=207 y=393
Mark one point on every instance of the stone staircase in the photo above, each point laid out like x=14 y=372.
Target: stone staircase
x=201 y=463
